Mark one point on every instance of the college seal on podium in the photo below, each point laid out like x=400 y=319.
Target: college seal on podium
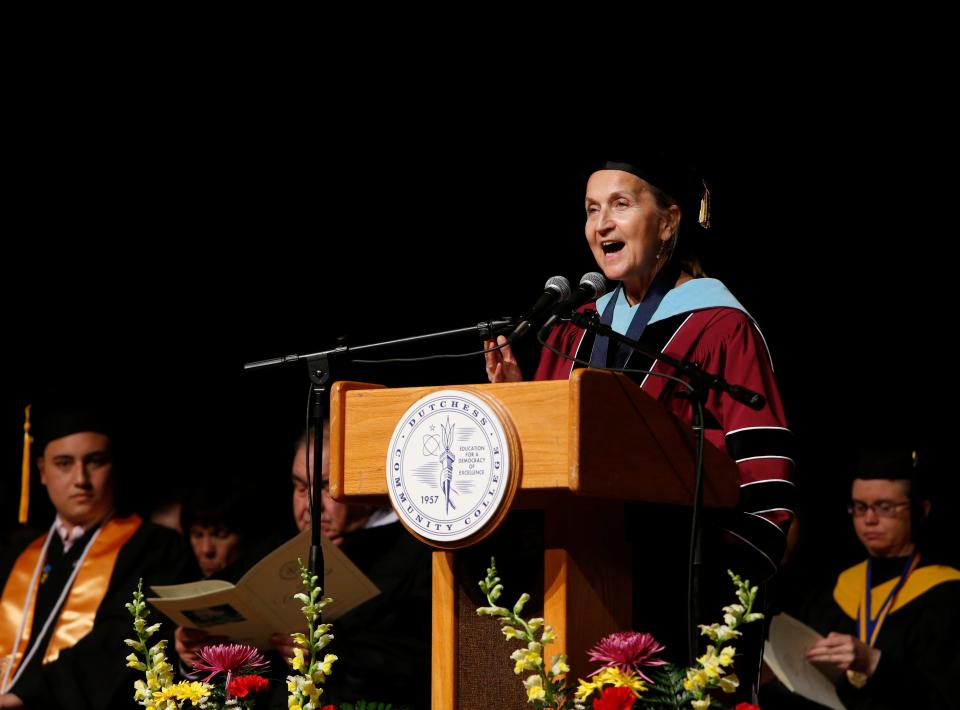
x=452 y=467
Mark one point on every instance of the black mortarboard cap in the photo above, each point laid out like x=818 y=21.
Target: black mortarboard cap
x=888 y=463
x=58 y=424
x=672 y=175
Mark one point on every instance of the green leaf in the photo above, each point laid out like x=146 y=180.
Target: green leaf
x=667 y=689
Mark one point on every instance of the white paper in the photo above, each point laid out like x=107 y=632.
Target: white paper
x=262 y=602
x=784 y=654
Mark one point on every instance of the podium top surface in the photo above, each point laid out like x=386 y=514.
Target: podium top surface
x=597 y=435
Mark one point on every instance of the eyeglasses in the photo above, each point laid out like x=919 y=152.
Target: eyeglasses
x=882 y=508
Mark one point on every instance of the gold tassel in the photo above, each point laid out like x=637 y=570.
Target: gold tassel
x=25 y=470
x=704 y=219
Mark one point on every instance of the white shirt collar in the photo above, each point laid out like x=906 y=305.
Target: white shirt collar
x=78 y=531
x=68 y=538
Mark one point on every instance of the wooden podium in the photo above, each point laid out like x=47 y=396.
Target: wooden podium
x=586 y=446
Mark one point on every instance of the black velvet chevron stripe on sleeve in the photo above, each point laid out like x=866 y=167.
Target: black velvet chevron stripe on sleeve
x=765 y=496
x=761 y=534
x=760 y=442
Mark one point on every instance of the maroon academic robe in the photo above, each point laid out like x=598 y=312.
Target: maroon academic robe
x=722 y=340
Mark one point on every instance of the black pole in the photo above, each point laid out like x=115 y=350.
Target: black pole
x=695 y=557
x=319 y=371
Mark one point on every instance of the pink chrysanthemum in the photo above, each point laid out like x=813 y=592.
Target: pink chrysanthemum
x=229 y=659
x=627 y=651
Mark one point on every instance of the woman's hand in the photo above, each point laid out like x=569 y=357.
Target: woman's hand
x=845 y=652
x=501 y=365
x=9 y=700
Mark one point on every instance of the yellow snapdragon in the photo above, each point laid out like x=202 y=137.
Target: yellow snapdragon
x=534 y=686
x=158 y=673
x=304 y=690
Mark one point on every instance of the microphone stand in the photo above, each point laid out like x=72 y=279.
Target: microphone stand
x=319 y=367
x=701 y=383
x=485 y=329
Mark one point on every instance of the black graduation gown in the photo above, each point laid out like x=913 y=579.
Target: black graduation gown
x=919 y=663
x=92 y=675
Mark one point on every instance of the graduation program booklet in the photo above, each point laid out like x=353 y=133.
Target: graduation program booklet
x=784 y=651
x=262 y=602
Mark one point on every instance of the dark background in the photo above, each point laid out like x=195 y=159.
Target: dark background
x=155 y=248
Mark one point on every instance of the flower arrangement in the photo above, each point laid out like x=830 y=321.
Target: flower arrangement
x=157 y=691
x=238 y=664
x=621 y=681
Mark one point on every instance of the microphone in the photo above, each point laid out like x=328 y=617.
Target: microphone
x=592 y=286
x=556 y=289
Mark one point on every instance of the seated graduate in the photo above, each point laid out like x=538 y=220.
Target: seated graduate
x=383 y=645
x=225 y=534
x=891 y=622
x=207 y=522
x=62 y=618
x=219 y=523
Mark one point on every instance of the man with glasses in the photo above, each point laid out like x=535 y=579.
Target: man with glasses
x=892 y=623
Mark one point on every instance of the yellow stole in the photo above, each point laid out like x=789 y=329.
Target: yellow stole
x=850 y=584
x=77 y=613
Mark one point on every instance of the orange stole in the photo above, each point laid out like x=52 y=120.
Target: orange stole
x=80 y=607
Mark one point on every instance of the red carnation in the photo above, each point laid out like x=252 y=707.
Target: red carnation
x=244 y=685
x=746 y=706
x=614 y=698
